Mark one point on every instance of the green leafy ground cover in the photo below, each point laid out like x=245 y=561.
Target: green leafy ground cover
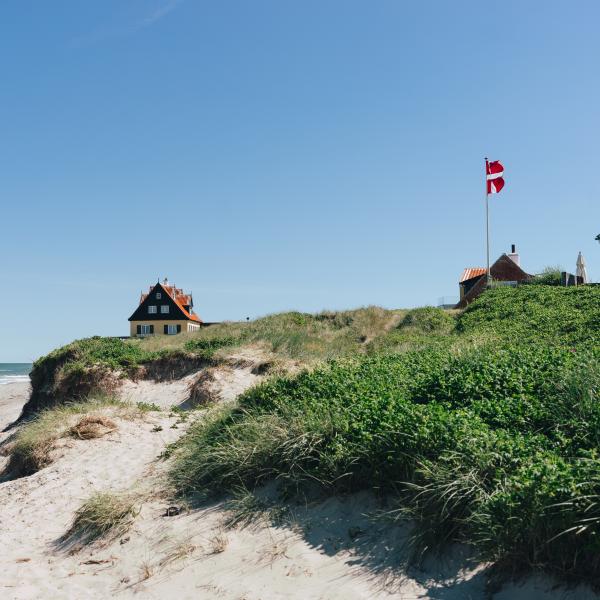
x=537 y=313
x=486 y=434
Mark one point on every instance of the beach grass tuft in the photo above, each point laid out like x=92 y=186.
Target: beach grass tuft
x=32 y=446
x=103 y=515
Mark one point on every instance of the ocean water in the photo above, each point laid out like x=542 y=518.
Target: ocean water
x=13 y=372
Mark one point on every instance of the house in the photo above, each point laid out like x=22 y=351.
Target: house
x=505 y=271
x=164 y=310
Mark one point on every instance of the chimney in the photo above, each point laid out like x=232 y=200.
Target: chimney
x=514 y=256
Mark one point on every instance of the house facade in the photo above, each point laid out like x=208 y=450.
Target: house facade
x=505 y=271
x=164 y=310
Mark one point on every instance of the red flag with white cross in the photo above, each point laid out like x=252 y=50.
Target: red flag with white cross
x=495 y=176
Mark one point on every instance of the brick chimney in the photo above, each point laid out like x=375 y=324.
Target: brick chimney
x=514 y=256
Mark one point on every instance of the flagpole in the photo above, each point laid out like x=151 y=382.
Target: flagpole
x=487 y=226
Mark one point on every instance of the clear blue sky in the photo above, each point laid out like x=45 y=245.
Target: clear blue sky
x=274 y=155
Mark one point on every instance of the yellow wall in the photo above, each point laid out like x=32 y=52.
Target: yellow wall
x=159 y=326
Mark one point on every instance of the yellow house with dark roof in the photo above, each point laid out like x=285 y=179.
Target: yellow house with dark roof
x=164 y=310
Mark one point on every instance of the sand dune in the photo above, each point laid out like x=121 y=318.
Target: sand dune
x=327 y=551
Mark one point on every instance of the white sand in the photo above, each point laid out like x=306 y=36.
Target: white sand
x=12 y=398
x=333 y=552
x=165 y=394
x=228 y=383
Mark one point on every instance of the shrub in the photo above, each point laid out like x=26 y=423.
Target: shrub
x=567 y=316
x=428 y=320
x=549 y=276
x=206 y=347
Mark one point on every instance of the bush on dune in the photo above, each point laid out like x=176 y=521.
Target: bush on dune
x=536 y=313
x=428 y=320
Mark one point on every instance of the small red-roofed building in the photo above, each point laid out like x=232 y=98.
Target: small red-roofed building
x=505 y=271
x=164 y=310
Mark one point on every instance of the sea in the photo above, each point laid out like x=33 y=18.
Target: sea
x=14 y=372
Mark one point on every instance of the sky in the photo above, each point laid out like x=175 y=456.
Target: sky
x=275 y=155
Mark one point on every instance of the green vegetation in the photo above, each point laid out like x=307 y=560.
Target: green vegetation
x=104 y=514
x=428 y=320
x=298 y=336
x=89 y=366
x=485 y=433
x=419 y=329
x=549 y=276
x=536 y=314
x=206 y=347
x=111 y=352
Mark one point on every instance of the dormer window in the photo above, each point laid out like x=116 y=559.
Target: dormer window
x=164 y=309
x=158 y=295
x=151 y=310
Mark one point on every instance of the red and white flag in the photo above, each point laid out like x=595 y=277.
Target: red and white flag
x=495 y=176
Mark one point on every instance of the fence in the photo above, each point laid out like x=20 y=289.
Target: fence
x=447 y=301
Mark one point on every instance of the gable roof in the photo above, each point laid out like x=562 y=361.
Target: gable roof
x=504 y=269
x=471 y=272
x=176 y=297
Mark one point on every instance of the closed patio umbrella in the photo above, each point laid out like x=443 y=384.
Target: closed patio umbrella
x=581 y=270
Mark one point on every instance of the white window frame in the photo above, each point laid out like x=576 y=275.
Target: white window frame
x=164 y=309
x=171 y=329
x=145 y=329
x=158 y=295
x=151 y=309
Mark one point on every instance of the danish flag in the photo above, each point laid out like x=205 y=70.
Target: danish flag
x=494 y=174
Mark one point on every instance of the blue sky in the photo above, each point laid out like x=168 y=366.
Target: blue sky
x=275 y=155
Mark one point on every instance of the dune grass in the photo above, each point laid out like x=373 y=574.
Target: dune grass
x=93 y=365
x=487 y=434
x=299 y=336
x=31 y=448
x=105 y=515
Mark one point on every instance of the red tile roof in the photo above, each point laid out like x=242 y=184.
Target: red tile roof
x=182 y=300
x=471 y=272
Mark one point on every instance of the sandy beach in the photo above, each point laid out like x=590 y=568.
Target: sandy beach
x=12 y=398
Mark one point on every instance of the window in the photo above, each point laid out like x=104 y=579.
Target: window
x=146 y=329
x=164 y=309
x=158 y=295
x=171 y=329
x=151 y=310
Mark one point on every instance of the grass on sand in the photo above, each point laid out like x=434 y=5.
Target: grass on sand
x=31 y=448
x=104 y=515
